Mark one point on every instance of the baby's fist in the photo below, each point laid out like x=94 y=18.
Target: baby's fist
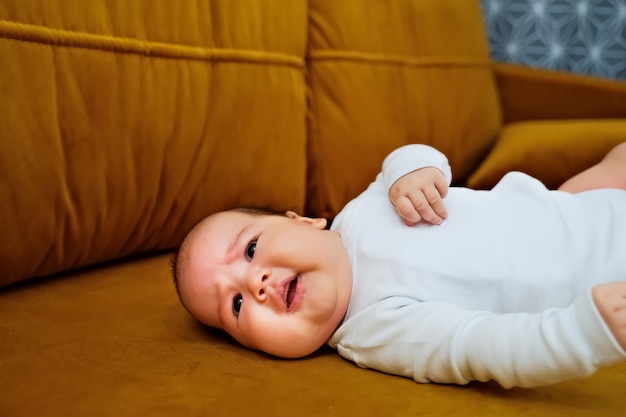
x=419 y=195
x=610 y=300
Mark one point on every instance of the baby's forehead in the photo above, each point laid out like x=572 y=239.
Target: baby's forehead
x=206 y=248
x=223 y=224
x=213 y=235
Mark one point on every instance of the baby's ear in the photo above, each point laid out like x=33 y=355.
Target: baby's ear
x=318 y=223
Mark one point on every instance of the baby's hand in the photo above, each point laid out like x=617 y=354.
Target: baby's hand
x=419 y=195
x=611 y=302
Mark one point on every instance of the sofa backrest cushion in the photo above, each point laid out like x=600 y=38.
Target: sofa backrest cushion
x=123 y=123
x=385 y=73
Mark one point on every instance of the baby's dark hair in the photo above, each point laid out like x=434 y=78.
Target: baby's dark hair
x=180 y=251
x=175 y=267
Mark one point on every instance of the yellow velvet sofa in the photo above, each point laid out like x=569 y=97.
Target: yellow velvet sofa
x=123 y=123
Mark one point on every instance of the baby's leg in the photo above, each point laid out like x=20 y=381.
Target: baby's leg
x=611 y=302
x=608 y=173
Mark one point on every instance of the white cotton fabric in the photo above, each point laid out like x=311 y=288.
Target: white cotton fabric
x=501 y=290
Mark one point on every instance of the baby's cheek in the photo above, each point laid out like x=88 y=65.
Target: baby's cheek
x=284 y=336
x=261 y=328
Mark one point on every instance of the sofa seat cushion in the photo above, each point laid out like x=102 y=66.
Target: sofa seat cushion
x=549 y=150
x=114 y=341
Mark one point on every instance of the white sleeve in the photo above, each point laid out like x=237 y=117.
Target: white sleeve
x=410 y=158
x=439 y=342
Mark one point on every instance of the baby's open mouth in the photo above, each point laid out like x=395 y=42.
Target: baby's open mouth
x=291 y=291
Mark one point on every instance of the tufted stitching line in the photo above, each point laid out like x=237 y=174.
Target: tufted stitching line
x=345 y=55
x=58 y=37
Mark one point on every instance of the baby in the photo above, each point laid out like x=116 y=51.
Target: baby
x=519 y=284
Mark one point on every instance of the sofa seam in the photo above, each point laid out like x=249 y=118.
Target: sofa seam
x=107 y=43
x=394 y=59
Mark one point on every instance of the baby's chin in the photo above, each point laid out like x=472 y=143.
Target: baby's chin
x=297 y=346
x=291 y=353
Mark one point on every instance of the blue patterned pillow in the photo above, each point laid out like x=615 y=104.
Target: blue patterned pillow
x=582 y=36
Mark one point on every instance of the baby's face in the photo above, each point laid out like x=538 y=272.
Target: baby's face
x=277 y=284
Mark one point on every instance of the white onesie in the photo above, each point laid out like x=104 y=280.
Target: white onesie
x=499 y=291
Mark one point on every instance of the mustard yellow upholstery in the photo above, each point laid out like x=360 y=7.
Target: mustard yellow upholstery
x=113 y=341
x=124 y=122
x=551 y=150
x=534 y=94
x=389 y=74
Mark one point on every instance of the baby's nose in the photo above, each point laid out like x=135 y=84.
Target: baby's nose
x=257 y=284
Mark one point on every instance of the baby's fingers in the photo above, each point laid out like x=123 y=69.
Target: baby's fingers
x=406 y=210
x=426 y=203
x=435 y=201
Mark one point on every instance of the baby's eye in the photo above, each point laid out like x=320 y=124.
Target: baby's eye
x=250 y=249
x=237 y=302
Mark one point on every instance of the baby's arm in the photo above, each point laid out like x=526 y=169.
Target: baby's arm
x=610 y=299
x=440 y=342
x=541 y=348
x=417 y=177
